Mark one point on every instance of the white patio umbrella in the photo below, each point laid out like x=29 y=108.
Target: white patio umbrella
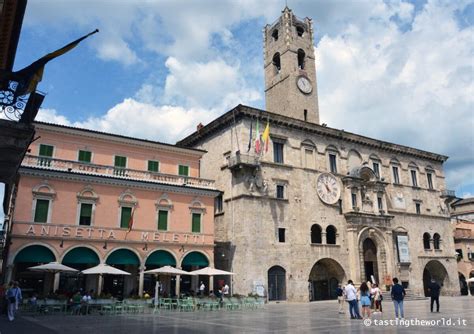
x=166 y=270
x=102 y=269
x=53 y=267
x=208 y=271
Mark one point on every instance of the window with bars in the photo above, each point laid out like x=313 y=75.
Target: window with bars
x=85 y=214
x=183 y=170
x=196 y=223
x=41 y=211
x=153 y=166
x=84 y=156
x=125 y=216
x=332 y=163
x=163 y=220
x=280 y=191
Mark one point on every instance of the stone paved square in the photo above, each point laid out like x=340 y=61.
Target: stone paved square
x=317 y=317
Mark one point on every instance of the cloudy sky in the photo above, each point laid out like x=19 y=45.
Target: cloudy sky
x=400 y=71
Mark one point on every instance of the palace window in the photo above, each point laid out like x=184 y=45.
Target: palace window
x=436 y=241
x=85 y=214
x=278 y=152
x=45 y=153
x=275 y=35
x=281 y=235
x=376 y=168
x=218 y=204
x=396 y=177
x=316 y=234
x=183 y=170
x=153 y=166
x=414 y=181
x=41 y=210
x=300 y=31
x=125 y=216
x=429 y=177
x=354 y=200
x=426 y=241
x=418 y=208
x=84 y=156
x=331 y=233
x=163 y=220
x=280 y=191
x=196 y=223
x=379 y=203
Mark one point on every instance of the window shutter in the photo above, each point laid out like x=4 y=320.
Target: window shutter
x=163 y=220
x=41 y=211
x=196 y=228
x=183 y=170
x=153 y=166
x=85 y=156
x=120 y=161
x=125 y=217
x=46 y=150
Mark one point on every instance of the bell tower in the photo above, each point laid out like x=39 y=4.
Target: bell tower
x=290 y=69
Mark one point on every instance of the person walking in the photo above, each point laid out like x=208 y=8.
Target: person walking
x=378 y=297
x=434 y=289
x=351 y=296
x=202 y=287
x=340 y=298
x=13 y=299
x=398 y=293
x=365 y=299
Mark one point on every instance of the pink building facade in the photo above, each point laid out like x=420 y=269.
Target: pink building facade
x=80 y=190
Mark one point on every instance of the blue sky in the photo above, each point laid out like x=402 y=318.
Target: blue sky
x=392 y=70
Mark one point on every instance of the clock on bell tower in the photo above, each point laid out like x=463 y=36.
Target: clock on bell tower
x=290 y=70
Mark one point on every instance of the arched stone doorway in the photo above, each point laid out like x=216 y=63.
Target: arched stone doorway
x=324 y=277
x=276 y=283
x=434 y=269
x=371 y=268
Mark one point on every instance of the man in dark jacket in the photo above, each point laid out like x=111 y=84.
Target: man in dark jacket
x=434 y=289
x=398 y=293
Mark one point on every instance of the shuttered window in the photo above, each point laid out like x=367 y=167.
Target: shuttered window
x=163 y=220
x=84 y=156
x=120 y=161
x=41 y=211
x=125 y=216
x=153 y=166
x=196 y=228
x=46 y=150
x=183 y=170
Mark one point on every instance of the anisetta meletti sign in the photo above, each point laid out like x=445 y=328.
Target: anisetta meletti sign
x=113 y=234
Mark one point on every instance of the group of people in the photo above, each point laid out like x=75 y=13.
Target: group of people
x=371 y=297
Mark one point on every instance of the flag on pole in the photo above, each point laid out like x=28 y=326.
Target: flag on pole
x=130 y=222
x=29 y=77
x=266 y=136
x=250 y=138
x=257 y=138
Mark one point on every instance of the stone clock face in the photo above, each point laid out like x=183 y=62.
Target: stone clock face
x=304 y=85
x=328 y=188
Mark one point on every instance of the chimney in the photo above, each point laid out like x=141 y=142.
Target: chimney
x=199 y=127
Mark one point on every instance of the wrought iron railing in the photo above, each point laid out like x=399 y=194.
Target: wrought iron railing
x=448 y=193
x=124 y=173
x=11 y=105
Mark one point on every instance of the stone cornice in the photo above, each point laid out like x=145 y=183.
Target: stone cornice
x=109 y=137
x=241 y=111
x=112 y=181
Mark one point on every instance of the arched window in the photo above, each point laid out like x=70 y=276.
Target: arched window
x=300 y=31
x=276 y=62
x=436 y=240
x=331 y=235
x=275 y=35
x=301 y=58
x=316 y=234
x=426 y=240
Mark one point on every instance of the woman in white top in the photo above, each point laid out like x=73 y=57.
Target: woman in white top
x=377 y=293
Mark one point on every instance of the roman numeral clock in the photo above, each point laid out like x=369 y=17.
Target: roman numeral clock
x=328 y=188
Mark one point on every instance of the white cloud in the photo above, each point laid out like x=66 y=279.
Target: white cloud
x=52 y=116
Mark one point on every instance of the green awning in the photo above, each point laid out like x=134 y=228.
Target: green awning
x=123 y=256
x=81 y=255
x=160 y=258
x=195 y=259
x=35 y=254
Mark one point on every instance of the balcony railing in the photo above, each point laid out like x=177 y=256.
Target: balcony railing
x=243 y=159
x=122 y=173
x=448 y=193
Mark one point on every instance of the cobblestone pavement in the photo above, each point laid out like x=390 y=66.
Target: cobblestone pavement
x=317 y=317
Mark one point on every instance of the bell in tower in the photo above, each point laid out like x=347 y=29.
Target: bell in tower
x=290 y=70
